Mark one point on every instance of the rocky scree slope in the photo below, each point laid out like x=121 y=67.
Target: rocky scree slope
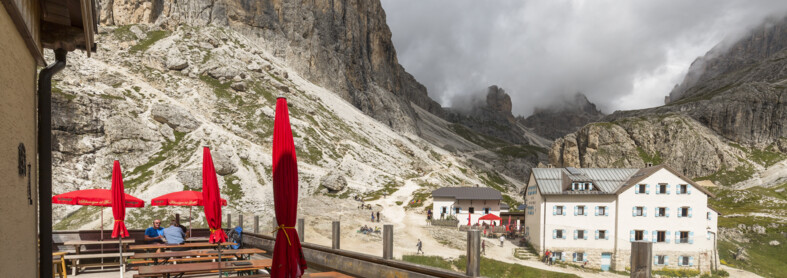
x=152 y=97
x=344 y=46
x=727 y=125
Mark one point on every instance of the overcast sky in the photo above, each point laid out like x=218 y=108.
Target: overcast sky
x=622 y=54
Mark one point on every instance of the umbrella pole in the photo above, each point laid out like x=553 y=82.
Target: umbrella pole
x=218 y=244
x=122 y=264
x=190 y=235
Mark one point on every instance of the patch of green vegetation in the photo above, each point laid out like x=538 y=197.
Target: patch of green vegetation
x=152 y=38
x=725 y=177
x=276 y=77
x=207 y=57
x=655 y=158
x=232 y=188
x=676 y=272
x=57 y=91
x=497 y=269
x=388 y=188
x=117 y=85
x=419 y=198
x=435 y=155
x=259 y=89
x=463 y=170
x=220 y=89
x=735 y=207
x=766 y=157
x=136 y=88
x=520 y=151
x=399 y=203
x=312 y=154
x=77 y=218
x=111 y=97
x=143 y=173
x=477 y=138
x=123 y=33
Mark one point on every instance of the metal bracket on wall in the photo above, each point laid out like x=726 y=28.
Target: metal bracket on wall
x=29 y=188
x=22 y=159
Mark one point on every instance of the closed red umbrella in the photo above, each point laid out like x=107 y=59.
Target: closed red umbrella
x=182 y=198
x=288 y=260
x=210 y=198
x=119 y=210
x=509 y=223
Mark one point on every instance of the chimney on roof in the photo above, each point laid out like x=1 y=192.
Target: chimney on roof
x=549 y=165
x=648 y=164
x=476 y=185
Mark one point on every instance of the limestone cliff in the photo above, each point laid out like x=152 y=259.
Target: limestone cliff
x=564 y=117
x=342 y=45
x=726 y=122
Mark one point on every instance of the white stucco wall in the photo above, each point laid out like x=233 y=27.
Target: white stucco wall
x=588 y=222
x=533 y=222
x=701 y=247
x=451 y=204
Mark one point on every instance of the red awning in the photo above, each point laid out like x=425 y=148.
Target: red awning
x=94 y=197
x=490 y=217
x=181 y=198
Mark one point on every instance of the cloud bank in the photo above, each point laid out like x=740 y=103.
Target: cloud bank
x=621 y=54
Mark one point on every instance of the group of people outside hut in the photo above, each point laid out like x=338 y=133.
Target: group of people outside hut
x=174 y=234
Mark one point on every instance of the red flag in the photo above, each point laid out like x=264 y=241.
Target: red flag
x=211 y=198
x=288 y=259
x=118 y=202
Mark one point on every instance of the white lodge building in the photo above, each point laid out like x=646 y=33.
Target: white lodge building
x=593 y=215
x=464 y=202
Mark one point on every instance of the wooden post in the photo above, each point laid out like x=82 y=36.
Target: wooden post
x=229 y=220
x=473 y=253
x=240 y=220
x=335 y=235
x=641 y=259
x=257 y=224
x=300 y=229
x=388 y=241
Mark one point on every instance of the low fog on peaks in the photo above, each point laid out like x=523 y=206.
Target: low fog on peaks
x=622 y=54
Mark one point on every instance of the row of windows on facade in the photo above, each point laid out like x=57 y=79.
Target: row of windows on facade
x=581 y=186
x=635 y=235
x=663 y=188
x=636 y=211
x=470 y=209
x=661 y=260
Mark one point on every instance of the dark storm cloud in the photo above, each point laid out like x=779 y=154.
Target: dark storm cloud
x=621 y=54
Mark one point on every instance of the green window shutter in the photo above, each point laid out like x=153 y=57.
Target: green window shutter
x=680 y=260
x=666 y=238
x=575 y=234
x=645 y=211
x=554 y=210
x=575 y=210
x=691 y=237
x=554 y=234
x=667 y=211
x=666 y=259
x=575 y=257
x=596 y=210
x=631 y=234
x=655 y=260
x=688 y=189
x=647 y=189
x=584 y=257
x=680 y=212
x=633 y=211
x=689 y=212
x=645 y=235
x=677 y=236
x=564 y=212
x=606 y=211
x=667 y=186
x=691 y=261
x=596 y=234
x=655 y=236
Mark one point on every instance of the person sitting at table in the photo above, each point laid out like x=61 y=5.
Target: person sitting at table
x=174 y=235
x=153 y=234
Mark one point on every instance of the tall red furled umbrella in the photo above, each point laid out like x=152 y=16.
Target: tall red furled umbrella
x=212 y=202
x=119 y=210
x=509 y=224
x=288 y=260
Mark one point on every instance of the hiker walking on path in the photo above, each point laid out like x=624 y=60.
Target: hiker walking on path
x=546 y=257
x=502 y=238
x=419 y=245
x=378 y=216
x=372 y=216
x=483 y=247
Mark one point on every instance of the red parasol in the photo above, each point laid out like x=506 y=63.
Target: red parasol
x=490 y=217
x=182 y=198
x=210 y=195
x=288 y=260
x=119 y=210
x=509 y=224
x=95 y=197
x=118 y=202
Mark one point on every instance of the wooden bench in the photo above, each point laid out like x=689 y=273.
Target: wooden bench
x=76 y=265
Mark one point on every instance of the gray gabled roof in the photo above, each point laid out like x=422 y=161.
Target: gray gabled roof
x=607 y=180
x=468 y=193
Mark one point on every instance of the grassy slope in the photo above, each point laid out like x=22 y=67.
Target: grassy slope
x=764 y=259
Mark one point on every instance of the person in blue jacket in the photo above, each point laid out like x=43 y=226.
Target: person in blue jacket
x=154 y=234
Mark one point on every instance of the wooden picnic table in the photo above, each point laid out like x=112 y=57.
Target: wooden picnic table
x=179 y=254
x=330 y=274
x=197 y=239
x=78 y=243
x=184 y=245
x=76 y=265
x=178 y=269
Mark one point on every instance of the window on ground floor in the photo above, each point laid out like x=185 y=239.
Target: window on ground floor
x=457 y=210
x=579 y=257
x=602 y=234
x=660 y=260
x=471 y=210
x=559 y=234
x=639 y=235
x=486 y=210
x=580 y=234
x=557 y=255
